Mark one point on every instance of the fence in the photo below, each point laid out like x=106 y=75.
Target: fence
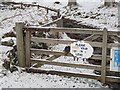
x=32 y=5
x=24 y=49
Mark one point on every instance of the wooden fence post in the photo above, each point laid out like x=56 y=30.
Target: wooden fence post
x=20 y=43
x=27 y=44
x=104 y=55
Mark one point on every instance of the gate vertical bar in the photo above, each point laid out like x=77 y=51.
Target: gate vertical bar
x=104 y=55
x=20 y=43
x=27 y=49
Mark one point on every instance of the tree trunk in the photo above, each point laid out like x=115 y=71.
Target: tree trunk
x=109 y=3
x=72 y=2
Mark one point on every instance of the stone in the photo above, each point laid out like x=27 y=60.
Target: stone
x=7 y=43
x=6 y=64
x=9 y=34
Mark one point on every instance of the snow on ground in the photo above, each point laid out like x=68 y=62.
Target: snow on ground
x=3 y=49
x=33 y=16
x=104 y=17
x=26 y=80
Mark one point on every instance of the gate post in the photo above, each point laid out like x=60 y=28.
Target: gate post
x=27 y=44
x=20 y=43
x=104 y=56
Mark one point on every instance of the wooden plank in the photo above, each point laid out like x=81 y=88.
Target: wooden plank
x=96 y=67
x=53 y=57
x=39 y=61
x=62 y=41
x=116 y=38
x=63 y=73
x=47 y=52
x=113 y=32
x=99 y=57
x=20 y=43
x=73 y=74
x=104 y=56
x=112 y=79
x=50 y=40
x=50 y=59
x=50 y=52
x=27 y=48
x=69 y=30
x=110 y=45
x=92 y=37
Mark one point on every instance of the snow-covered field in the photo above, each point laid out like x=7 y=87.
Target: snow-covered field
x=33 y=16
x=26 y=80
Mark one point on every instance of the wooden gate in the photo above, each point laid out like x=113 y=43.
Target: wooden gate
x=24 y=50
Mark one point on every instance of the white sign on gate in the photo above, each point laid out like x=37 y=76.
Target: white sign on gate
x=81 y=49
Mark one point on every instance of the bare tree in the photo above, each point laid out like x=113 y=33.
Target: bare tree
x=72 y=2
x=109 y=3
